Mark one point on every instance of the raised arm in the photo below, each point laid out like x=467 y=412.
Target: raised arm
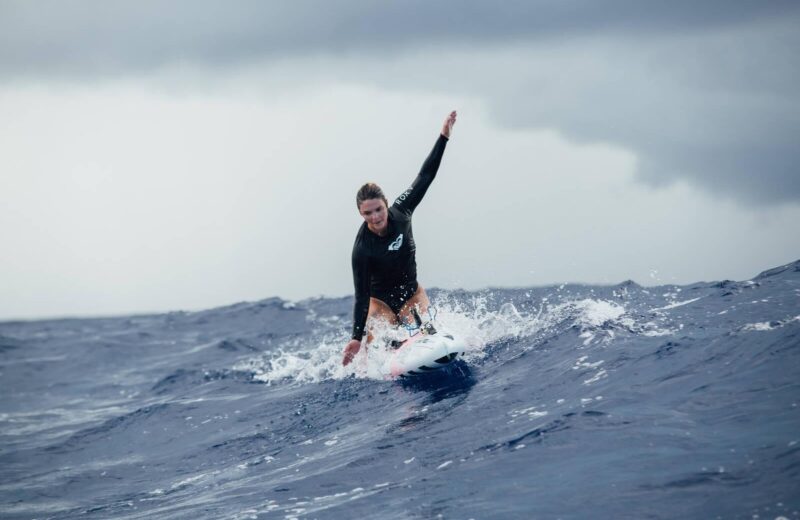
x=449 y=121
x=409 y=199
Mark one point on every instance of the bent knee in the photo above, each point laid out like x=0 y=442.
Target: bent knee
x=419 y=302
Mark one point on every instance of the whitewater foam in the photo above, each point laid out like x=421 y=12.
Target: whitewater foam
x=674 y=305
x=473 y=320
x=764 y=326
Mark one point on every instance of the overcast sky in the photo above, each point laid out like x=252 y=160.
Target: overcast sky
x=188 y=154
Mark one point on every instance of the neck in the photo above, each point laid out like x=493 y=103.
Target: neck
x=380 y=234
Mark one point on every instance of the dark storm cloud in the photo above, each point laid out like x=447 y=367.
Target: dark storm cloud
x=63 y=36
x=703 y=91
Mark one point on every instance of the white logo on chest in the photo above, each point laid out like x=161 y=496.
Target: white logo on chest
x=395 y=246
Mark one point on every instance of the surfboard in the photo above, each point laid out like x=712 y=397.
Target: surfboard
x=423 y=353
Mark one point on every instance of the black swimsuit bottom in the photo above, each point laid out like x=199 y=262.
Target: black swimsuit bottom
x=397 y=296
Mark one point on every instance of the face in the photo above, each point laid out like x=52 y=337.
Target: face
x=375 y=215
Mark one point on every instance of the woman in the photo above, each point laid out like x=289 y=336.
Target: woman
x=384 y=254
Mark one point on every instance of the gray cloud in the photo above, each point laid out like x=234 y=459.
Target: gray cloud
x=85 y=36
x=700 y=91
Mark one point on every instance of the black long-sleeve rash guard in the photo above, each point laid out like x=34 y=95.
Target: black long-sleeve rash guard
x=381 y=264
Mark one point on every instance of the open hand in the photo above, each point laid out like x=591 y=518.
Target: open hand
x=350 y=351
x=447 y=127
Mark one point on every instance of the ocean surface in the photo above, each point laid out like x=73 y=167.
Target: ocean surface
x=572 y=401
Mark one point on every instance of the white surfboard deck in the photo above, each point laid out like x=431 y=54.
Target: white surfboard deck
x=422 y=353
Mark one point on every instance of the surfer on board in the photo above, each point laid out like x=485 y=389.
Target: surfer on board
x=384 y=253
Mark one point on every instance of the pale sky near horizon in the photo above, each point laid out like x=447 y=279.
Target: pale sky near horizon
x=156 y=160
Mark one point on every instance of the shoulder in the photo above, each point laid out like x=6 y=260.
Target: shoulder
x=402 y=197
x=397 y=211
x=401 y=204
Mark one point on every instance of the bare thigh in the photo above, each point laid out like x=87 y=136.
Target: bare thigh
x=379 y=311
x=420 y=301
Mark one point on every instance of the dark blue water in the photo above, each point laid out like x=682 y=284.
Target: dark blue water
x=573 y=402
